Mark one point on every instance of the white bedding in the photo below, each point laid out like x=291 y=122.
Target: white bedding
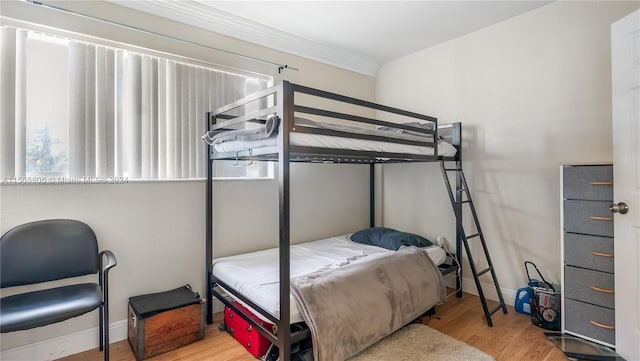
x=325 y=141
x=266 y=136
x=256 y=274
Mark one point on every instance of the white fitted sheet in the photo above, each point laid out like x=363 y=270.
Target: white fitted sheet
x=256 y=274
x=326 y=141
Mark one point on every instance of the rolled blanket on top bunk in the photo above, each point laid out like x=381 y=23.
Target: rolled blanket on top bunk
x=264 y=131
x=350 y=308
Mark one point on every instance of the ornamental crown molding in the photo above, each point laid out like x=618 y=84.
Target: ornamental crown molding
x=204 y=16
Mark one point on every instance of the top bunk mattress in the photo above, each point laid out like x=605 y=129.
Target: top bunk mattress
x=256 y=274
x=266 y=136
x=326 y=141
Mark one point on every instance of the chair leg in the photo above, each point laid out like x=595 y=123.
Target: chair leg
x=101 y=326
x=106 y=331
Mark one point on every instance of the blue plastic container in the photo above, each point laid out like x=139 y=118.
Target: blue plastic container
x=522 y=301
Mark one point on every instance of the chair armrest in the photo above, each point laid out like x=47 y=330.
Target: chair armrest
x=111 y=261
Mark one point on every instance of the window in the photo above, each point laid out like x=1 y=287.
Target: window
x=77 y=110
x=47 y=126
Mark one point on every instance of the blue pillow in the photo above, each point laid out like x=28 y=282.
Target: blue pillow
x=389 y=238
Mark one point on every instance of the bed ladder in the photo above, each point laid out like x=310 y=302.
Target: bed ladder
x=463 y=196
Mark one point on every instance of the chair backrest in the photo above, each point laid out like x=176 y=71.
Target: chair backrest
x=47 y=250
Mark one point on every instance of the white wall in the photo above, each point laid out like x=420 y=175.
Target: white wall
x=156 y=229
x=533 y=92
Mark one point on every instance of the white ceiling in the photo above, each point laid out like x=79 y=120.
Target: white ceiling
x=355 y=35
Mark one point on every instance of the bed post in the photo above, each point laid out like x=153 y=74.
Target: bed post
x=456 y=140
x=456 y=197
x=372 y=194
x=459 y=231
x=285 y=109
x=209 y=230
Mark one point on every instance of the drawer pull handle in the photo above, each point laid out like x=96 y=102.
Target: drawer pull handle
x=606 y=327
x=601 y=183
x=602 y=254
x=596 y=218
x=603 y=290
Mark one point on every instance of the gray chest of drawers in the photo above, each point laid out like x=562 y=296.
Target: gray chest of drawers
x=588 y=278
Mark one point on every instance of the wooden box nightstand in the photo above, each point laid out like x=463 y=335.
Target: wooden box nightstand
x=164 y=321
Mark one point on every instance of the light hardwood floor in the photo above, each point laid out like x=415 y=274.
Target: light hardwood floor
x=512 y=338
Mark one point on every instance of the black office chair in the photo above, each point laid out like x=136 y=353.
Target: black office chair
x=53 y=250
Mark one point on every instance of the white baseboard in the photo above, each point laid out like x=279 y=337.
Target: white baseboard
x=469 y=286
x=509 y=296
x=63 y=346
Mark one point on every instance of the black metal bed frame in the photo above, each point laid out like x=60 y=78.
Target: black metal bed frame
x=282 y=95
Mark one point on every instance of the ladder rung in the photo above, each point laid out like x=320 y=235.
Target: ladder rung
x=495 y=310
x=456 y=201
x=484 y=271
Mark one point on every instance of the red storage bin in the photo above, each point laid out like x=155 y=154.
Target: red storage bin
x=244 y=333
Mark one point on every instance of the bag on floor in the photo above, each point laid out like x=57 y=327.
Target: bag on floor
x=544 y=299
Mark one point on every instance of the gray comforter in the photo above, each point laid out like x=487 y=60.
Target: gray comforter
x=352 y=307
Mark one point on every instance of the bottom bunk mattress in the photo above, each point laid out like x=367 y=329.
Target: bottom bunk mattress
x=256 y=274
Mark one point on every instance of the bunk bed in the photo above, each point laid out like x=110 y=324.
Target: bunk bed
x=277 y=124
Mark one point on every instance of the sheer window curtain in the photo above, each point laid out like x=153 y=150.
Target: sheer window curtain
x=130 y=114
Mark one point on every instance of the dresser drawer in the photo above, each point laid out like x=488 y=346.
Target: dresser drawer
x=588 y=252
x=589 y=286
x=589 y=320
x=588 y=217
x=588 y=182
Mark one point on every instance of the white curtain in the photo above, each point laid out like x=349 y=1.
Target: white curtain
x=13 y=121
x=130 y=114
